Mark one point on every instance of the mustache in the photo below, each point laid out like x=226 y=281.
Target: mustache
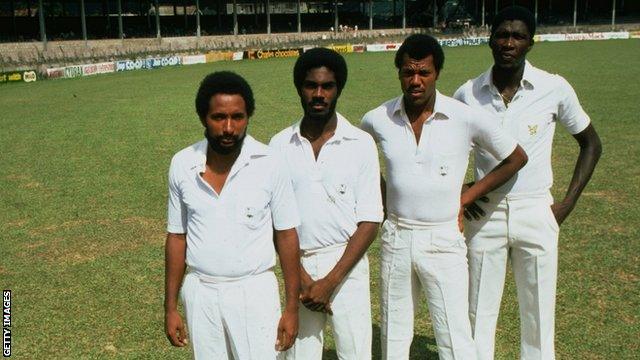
x=318 y=102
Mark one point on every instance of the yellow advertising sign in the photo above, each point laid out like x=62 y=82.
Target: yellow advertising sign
x=348 y=48
x=267 y=54
x=219 y=56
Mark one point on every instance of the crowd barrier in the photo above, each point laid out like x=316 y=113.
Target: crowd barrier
x=260 y=54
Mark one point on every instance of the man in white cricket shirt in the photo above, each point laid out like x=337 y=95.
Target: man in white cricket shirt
x=227 y=194
x=520 y=222
x=426 y=139
x=336 y=177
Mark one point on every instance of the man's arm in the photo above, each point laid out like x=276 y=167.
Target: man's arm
x=590 y=151
x=288 y=249
x=174 y=266
x=498 y=176
x=318 y=296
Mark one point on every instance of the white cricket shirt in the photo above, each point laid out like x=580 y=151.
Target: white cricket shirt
x=231 y=234
x=424 y=180
x=339 y=189
x=541 y=100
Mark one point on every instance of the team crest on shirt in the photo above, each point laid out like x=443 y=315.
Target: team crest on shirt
x=533 y=129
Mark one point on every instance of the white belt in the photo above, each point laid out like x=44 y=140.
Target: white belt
x=322 y=250
x=420 y=225
x=225 y=279
x=537 y=195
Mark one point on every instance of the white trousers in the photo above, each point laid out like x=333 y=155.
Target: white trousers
x=521 y=229
x=351 y=306
x=232 y=318
x=431 y=258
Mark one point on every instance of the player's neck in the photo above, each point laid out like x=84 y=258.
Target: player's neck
x=221 y=163
x=314 y=128
x=415 y=111
x=507 y=77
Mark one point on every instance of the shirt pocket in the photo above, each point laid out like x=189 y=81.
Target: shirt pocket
x=340 y=189
x=448 y=167
x=532 y=128
x=252 y=211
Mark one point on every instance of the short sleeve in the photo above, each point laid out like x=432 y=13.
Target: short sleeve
x=366 y=124
x=570 y=112
x=487 y=135
x=176 y=209
x=368 y=193
x=459 y=94
x=284 y=209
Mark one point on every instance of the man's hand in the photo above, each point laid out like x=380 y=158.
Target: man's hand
x=474 y=211
x=317 y=297
x=174 y=329
x=561 y=211
x=287 y=330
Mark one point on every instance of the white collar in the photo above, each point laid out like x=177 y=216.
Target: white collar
x=251 y=149
x=440 y=108
x=527 y=82
x=344 y=130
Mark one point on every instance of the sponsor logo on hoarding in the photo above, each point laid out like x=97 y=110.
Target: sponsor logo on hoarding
x=617 y=35
x=450 y=42
x=104 y=68
x=219 y=56
x=587 y=36
x=476 y=40
x=72 y=71
x=583 y=36
x=100 y=68
x=238 y=55
x=267 y=54
x=55 y=73
x=382 y=47
x=18 y=76
x=375 y=47
x=359 y=48
x=135 y=64
x=121 y=65
x=194 y=59
x=89 y=69
x=149 y=63
x=29 y=76
x=348 y=48
x=471 y=41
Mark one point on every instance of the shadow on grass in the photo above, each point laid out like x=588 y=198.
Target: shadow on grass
x=420 y=348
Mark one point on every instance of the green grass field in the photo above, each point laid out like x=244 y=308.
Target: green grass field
x=83 y=196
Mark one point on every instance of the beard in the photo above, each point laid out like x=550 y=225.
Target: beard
x=215 y=143
x=321 y=116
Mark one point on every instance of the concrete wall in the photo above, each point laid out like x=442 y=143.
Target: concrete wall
x=59 y=53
